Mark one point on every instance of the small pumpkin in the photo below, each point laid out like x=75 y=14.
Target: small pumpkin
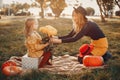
x=11 y=70
x=8 y=63
x=93 y=61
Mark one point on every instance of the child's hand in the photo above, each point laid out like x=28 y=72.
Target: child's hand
x=46 y=44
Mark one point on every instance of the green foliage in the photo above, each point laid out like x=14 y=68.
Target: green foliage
x=101 y=74
x=87 y=76
x=115 y=69
x=11 y=36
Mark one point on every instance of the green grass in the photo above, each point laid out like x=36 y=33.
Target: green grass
x=12 y=43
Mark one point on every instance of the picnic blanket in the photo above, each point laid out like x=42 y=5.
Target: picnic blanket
x=65 y=64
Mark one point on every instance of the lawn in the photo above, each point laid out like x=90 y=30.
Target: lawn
x=12 y=43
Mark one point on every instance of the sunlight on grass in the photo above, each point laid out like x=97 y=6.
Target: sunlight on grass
x=12 y=43
x=5 y=23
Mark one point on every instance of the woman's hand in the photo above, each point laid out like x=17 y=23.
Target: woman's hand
x=55 y=40
x=56 y=37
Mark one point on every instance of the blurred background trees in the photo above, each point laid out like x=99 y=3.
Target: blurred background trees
x=90 y=11
x=106 y=8
x=117 y=2
x=57 y=6
x=41 y=2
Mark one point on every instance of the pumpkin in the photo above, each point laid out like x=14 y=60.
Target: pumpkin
x=92 y=61
x=8 y=63
x=11 y=70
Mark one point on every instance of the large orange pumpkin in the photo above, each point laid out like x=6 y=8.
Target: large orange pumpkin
x=11 y=70
x=92 y=61
x=8 y=63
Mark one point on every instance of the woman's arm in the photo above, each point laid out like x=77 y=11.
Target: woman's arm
x=74 y=38
x=67 y=36
x=67 y=40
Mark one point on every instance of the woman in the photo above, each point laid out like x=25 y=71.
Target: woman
x=83 y=27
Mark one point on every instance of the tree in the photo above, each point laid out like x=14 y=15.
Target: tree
x=117 y=13
x=16 y=7
x=106 y=8
x=19 y=9
x=101 y=11
x=117 y=2
x=41 y=2
x=8 y=11
x=90 y=11
x=26 y=6
x=57 y=6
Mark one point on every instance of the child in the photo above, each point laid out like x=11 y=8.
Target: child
x=33 y=40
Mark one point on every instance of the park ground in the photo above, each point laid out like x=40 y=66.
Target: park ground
x=12 y=44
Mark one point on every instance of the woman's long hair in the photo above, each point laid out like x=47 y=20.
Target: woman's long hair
x=29 y=26
x=81 y=21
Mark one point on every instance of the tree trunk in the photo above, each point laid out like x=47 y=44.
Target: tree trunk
x=117 y=3
x=42 y=11
x=105 y=10
x=102 y=18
